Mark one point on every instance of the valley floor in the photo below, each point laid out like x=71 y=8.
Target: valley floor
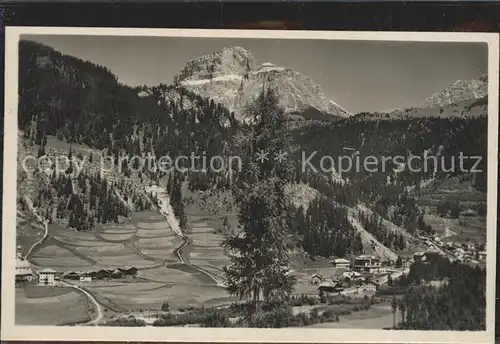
x=377 y=317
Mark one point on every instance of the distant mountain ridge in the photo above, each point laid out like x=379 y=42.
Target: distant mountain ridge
x=463 y=98
x=459 y=91
x=231 y=77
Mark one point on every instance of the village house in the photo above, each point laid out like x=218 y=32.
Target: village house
x=117 y=273
x=316 y=279
x=85 y=278
x=23 y=270
x=340 y=263
x=330 y=287
x=46 y=277
x=468 y=213
x=337 y=275
x=351 y=275
x=101 y=274
x=72 y=276
x=129 y=271
x=367 y=263
x=367 y=287
x=471 y=247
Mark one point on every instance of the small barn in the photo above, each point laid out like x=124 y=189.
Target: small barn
x=102 y=274
x=316 y=279
x=117 y=273
x=72 y=276
x=129 y=271
x=327 y=287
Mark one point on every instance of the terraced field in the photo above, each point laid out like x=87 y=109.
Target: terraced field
x=205 y=222
x=161 y=254
x=149 y=244
x=109 y=246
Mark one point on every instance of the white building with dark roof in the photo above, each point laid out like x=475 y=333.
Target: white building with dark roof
x=47 y=277
x=340 y=263
x=367 y=263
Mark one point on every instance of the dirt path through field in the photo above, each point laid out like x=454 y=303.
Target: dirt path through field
x=92 y=299
x=45 y=228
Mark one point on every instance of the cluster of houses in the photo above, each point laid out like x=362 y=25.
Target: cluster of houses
x=100 y=275
x=466 y=252
x=365 y=274
x=25 y=273
x=460 y=251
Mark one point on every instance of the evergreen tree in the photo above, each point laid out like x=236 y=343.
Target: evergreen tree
x=259 y=254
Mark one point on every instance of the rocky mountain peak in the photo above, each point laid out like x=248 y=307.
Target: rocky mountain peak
x=232 y=61
x=460 y=90
x=231 y=77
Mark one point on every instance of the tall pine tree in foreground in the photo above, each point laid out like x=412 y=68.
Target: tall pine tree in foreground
x=259 y=251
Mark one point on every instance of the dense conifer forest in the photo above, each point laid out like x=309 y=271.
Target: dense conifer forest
x=429 y=307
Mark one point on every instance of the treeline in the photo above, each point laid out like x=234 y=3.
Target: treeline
x=86 y=198
x=96 y=203
x=82 y=102
x=446 y=137
x=436 y=308
x=324 y=229
x=72 y=99
x=338 y=191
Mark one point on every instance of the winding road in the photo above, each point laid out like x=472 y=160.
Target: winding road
x=91 y=297
x=45 y=226
x=97 y=305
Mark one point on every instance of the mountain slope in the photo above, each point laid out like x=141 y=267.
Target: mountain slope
x=468 y=109
x=460 y=90
x=463 y=98
x=230 y=77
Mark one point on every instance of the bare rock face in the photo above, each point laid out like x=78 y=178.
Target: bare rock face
x=230 y=77
x=229 y=63
x=299 y=95
x=459 y=91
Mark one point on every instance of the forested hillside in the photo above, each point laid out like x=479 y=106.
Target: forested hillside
x=82 y=103
x=393 y=193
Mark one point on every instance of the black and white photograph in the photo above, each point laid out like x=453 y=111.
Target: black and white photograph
x=333 y=185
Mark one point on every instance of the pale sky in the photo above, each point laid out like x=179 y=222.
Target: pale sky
x=358 y=75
